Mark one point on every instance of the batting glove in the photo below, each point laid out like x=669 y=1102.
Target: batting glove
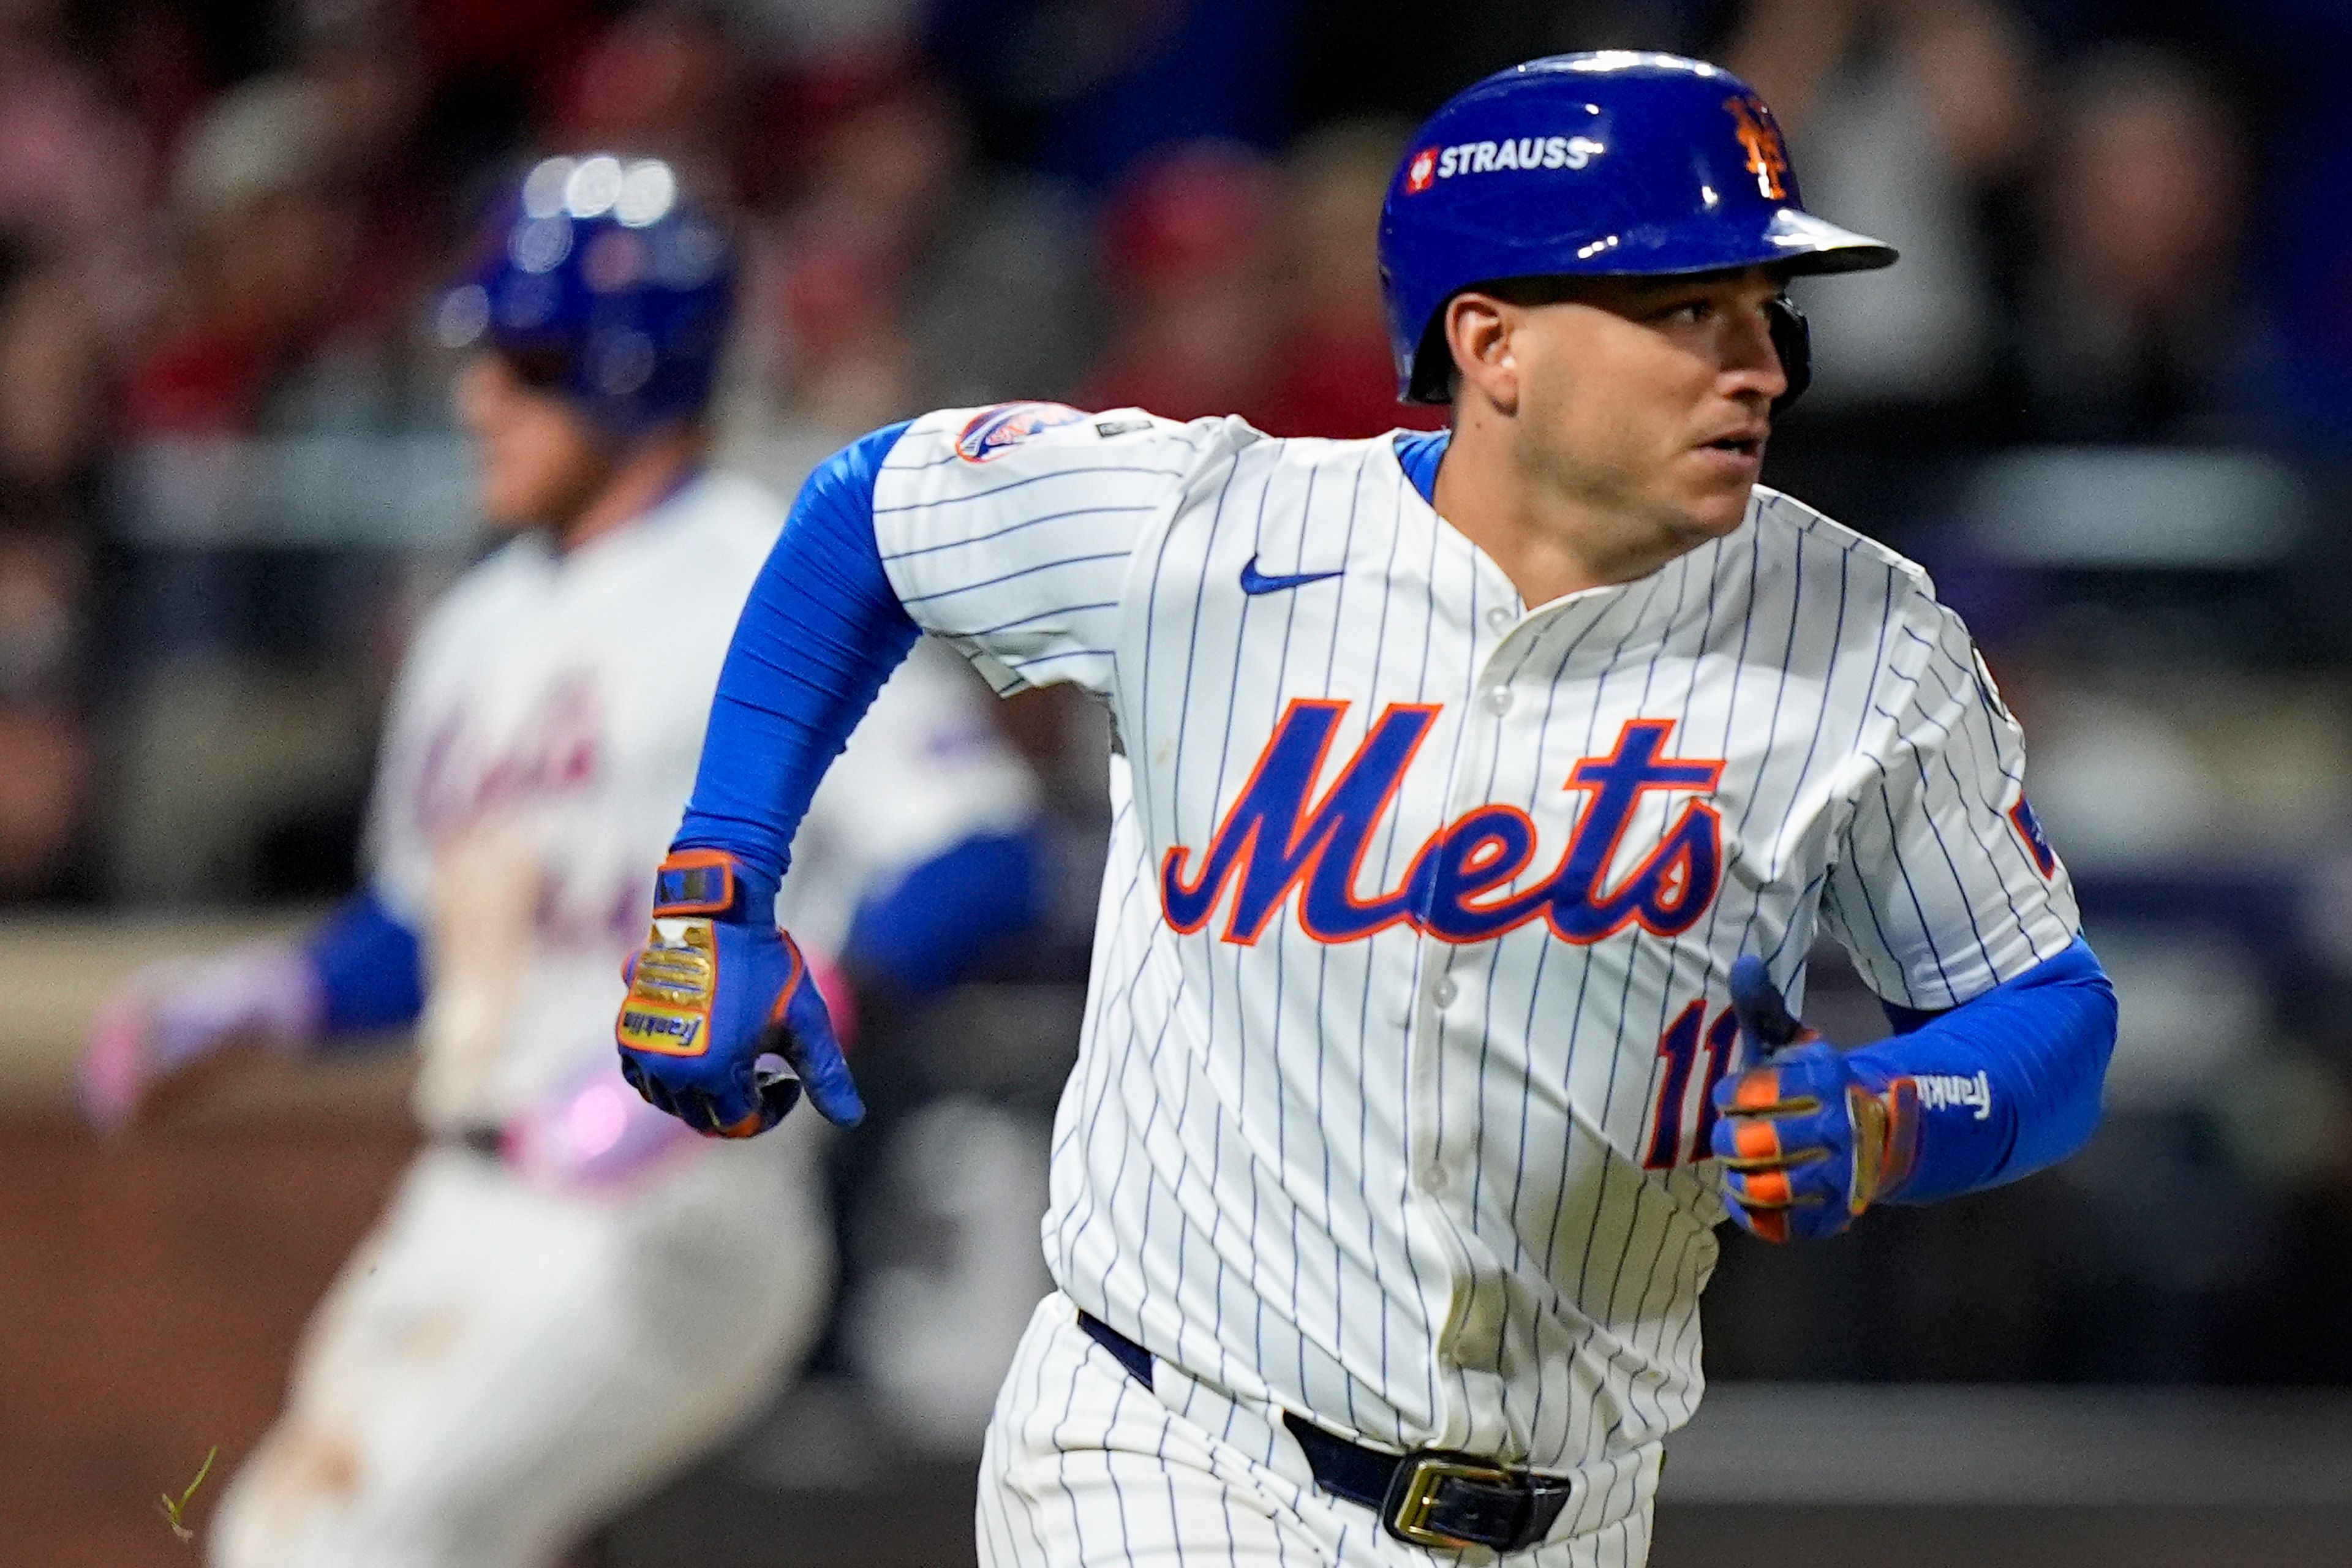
x=173 y=1015
x=1807 y=1142
x=724 y=1026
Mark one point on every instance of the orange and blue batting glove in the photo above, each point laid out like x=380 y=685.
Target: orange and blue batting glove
x=724 y=1026
x=1808 y=1137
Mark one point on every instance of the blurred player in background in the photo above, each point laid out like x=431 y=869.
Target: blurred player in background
x=571 y=1294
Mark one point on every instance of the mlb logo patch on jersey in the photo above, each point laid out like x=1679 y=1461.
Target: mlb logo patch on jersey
x=994 y=431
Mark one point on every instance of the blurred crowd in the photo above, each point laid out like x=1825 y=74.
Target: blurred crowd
x=2107 y=397
x=224 y=222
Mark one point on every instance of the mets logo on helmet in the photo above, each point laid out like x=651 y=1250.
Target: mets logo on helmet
x=994 y=431
x=1768 y=159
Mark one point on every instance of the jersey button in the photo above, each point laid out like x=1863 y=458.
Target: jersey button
x=1499 y=618
x=1498 y=700
x=1444 y=992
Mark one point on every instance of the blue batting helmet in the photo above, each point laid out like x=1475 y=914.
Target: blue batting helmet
x=602 y=282
x=1594 y=164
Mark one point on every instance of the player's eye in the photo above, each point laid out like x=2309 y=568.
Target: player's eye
x=1686 y=313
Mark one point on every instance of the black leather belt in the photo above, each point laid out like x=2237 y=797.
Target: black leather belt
x=1430 y=1497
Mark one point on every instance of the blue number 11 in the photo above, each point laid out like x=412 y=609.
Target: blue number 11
x=1680 y=1046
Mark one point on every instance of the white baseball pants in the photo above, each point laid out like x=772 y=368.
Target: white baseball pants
x=500 y=1367
x=1084 y=1467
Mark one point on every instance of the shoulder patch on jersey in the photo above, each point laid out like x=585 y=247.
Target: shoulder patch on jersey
x=1107 y=428
x=993 y=432
x=2037 y=843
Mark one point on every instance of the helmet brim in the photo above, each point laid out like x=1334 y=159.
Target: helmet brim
x=1787 y=238
x=1789 y=241
x=1805 y=244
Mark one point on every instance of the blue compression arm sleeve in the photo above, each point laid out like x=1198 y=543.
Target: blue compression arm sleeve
x=371 y=971
x=923 y=934
x=2024 y=1061
x=821 y=633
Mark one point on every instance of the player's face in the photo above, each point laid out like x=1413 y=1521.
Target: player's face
x=537 y=462
x=1650 y=398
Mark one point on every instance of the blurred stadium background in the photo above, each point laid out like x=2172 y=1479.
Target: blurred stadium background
x=2107 y=398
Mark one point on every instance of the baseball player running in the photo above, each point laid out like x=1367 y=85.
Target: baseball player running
x=1479 y=796
x=571 y=1294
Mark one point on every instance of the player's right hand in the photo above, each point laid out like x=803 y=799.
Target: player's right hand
x=724 y=1026
x=174 y=1014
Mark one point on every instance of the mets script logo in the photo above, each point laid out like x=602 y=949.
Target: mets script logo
x=994 y=431
x=1767 y=159
x=1275 y=839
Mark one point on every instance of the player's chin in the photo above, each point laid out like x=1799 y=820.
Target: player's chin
x=1713 y=503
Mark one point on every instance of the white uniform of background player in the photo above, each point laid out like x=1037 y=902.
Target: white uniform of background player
x=510 y=1355
x=570 y=1295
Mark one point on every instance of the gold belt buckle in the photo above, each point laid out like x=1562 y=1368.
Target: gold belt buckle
x=1413 y=1495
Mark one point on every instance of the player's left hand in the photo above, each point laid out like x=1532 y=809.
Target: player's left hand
x=1806 y=1145
x=174 y=1014
x=724 y=1026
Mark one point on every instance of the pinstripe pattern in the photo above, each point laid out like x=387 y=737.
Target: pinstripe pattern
x=1084 y=1467
x=1395 y=1182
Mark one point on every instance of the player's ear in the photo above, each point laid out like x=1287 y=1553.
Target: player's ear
x=1478 y=332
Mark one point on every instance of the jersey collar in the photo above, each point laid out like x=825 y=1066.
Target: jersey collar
x=1418 y=454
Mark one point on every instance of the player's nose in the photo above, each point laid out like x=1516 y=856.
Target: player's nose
x=1751 y=362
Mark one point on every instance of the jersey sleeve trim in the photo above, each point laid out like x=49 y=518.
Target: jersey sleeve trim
x=369 y=966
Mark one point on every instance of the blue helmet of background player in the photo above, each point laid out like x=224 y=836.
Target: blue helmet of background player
x=602 y=282
x=1594 y=165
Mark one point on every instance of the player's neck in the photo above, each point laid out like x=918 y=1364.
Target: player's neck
x=649 y=471
x=1549 y=542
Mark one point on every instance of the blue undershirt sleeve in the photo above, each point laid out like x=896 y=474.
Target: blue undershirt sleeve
x=2009 y=1081
x=925 y=932
x=820 y=633
x=370 y=969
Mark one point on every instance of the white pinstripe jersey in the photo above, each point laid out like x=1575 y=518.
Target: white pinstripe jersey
x=1409 y=981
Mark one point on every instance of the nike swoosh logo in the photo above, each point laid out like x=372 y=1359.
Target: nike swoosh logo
x=1256 y=581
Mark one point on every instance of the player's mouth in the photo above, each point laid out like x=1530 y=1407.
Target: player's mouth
x=1746 y=442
